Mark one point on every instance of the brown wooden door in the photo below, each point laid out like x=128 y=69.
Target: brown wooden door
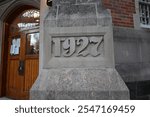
x=15 y=81
x=31 y=60
x=23 y=64
x=23 y=56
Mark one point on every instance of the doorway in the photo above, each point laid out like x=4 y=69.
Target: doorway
x=22 y=53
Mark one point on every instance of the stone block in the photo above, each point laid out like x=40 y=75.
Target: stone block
x=78 y=54
x=127 y=52
x=60 y=2
x=145 y=53
x=88 y=1
x=79 y=84
x=129 y=72
x=76 y=15
x=69 y=14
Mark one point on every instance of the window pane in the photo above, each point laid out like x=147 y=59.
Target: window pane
x=15 y=46
x=32 y=47
x=144 y=9
x=27 y=20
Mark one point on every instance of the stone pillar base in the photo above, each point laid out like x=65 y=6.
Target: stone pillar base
x=79 y=84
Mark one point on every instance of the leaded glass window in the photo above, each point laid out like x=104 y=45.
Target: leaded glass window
x=27 y=20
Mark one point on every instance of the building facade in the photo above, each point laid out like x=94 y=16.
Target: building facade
x=131 y=25
x=131 y=37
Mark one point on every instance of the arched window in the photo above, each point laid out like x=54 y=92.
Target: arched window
x=28 y=19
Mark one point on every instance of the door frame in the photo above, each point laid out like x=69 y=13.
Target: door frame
x=4 y=48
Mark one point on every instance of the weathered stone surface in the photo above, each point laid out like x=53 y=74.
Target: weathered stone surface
x=89 y=1
x=132 y=60
x=60 y=2
x=76 y=15
x=71 y=29
x=67 y=13
x=75 y=83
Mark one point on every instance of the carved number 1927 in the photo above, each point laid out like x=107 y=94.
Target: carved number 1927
x=71 y=44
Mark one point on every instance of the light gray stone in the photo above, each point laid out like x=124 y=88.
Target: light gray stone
x=79 y=83
x=78 y=54
x=68 y=13
x=132 y=55
x=89 y=1
x=107 y=60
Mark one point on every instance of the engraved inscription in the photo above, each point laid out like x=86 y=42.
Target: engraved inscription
x=57 y=50
x=69 y=46
x=83 y=51
x=78 y=46
x=97 y=42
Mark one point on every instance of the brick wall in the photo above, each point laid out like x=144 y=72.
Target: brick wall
x=122 y=11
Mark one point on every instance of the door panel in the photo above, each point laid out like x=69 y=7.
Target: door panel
x=19 y=84
x=31 y=72
x=14 y=79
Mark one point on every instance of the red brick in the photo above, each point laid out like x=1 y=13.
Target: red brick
x=122 y=11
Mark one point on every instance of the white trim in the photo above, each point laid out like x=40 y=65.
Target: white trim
x=145 y=26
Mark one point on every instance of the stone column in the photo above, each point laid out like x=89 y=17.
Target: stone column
x=78 y=54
